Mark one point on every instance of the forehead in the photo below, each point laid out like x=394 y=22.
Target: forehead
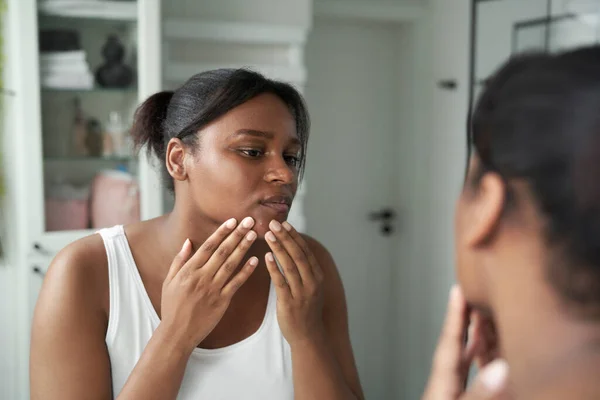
x=264 y=113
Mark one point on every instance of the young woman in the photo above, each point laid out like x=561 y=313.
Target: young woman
x=528 y=237
x=193 y=305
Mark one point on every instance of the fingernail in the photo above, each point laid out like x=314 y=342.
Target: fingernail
x=270 y=257
x=253 y=261
x=247 y=222
x=494 y=375
x=270 y=236
x=274 y=225
x=231 y=223
x=287 y=226
x=251 y=236
x=185 y=244
x=454 y=292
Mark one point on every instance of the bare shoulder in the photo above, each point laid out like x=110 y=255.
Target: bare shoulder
x=79 y=271
x=321 y=253
x=331 y=277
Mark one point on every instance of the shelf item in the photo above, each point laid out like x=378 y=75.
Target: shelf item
x=65 y=70
x=115 y=199
x=66 y=207
x=94 y=9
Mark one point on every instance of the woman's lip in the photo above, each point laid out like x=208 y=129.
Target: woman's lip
x=279 y=207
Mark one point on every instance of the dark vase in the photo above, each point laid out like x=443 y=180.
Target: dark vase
x=114 y=73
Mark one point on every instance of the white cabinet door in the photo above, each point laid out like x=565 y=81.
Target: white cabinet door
x=83 y=71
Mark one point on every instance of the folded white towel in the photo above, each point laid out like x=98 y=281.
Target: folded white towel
x=63 y=56
x=67 y=81
x=73 y=68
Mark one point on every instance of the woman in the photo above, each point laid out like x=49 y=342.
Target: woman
x=192 y=305
x=528 y=237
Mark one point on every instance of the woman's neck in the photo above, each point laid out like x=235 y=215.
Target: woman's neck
x=544 y=345
x=179 y=225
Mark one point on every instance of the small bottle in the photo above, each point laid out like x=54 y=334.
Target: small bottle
x=115 y=129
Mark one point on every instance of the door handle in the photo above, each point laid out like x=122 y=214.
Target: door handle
x=42 y=250
x=386 y=216
x=38 y=271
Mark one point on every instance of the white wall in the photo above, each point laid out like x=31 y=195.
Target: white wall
x=495 y=20
x=283 y=12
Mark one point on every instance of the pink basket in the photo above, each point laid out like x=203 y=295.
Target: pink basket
x=64 y=215
x=115 y=199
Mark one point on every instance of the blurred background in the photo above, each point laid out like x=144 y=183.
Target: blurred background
x=388 y=84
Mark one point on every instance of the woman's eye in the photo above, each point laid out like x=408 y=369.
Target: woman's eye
x=252 y=153
x=292 y=160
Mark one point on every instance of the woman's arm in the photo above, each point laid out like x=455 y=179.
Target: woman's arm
x=330 y=357
x=69 y=358
x=311 y=310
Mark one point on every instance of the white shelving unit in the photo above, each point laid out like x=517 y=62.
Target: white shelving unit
x=43 y=119
x=106 y=9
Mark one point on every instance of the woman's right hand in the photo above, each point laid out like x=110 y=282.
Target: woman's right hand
x=453 y=358
x=199 y=286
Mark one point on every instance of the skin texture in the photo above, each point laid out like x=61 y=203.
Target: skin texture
x=501 y=262
x=244 y=158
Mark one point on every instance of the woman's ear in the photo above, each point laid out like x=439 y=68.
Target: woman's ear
x=486 y=209
x=175 y=159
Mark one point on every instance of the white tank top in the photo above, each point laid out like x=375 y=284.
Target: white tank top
x=258 y=367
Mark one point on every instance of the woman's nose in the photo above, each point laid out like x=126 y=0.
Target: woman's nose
x=278 y=170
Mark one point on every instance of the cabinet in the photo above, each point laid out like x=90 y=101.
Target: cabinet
x=78 y=70
x=89 y=65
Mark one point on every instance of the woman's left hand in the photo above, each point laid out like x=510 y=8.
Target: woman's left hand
x=299 y=288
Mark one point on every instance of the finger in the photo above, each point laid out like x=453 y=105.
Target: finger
x=234 y=260
x=489 y=342
x=281 y=286
x=290 y=271
x=240 y=278
x=211 y=244
x=180 y=259
x=316 y=267
x=490 y=383
x=295 y=252
x=475 y=340
x=227 y=247
x=447 y=359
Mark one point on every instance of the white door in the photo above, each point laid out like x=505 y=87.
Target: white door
x=353 y=96
x=385 y=136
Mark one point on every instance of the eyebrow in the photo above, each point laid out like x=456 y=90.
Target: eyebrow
x=260 y=134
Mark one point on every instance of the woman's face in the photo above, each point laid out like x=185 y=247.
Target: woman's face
x=246 y=164
x=478 y=212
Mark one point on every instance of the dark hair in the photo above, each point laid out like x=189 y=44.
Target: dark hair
x=204 y=98
x=538 y=121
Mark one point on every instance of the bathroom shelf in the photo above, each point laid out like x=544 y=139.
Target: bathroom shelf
x=115 y=159
x=100 y=9
x=129 y=90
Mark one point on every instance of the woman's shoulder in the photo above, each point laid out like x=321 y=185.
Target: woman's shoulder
x=81 y=257
x=323 y=256
x=79 y=272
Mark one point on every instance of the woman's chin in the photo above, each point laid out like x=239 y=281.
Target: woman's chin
x=262 y=221
x=261 y=227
